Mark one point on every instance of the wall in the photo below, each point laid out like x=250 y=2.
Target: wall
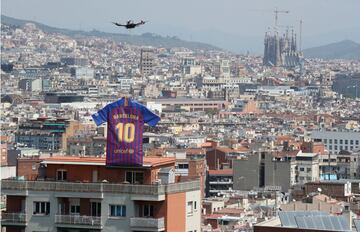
x=197 y=169
x=7 y=172
x=277 y=173
x=176 y=211
x=85 y=172
x=28 y=167
x=214 y=158
x=193 y=221
x=13 y=204
x=246 y=173
x=3 y=154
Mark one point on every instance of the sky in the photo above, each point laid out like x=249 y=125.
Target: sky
x=236 y=25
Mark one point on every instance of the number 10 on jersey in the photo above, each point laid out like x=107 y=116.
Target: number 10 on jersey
x=125 y=132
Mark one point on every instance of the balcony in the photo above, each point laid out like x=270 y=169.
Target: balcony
x=13 y=219
x=147 y=224
x=78 y=221
x=139 y=192
x=220 y=182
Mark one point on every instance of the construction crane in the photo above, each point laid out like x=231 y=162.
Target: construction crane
x=300 y=34
x=276 y=12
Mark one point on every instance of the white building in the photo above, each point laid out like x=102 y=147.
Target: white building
x=335 y=141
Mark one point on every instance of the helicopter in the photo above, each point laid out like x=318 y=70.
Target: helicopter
x=130 y=24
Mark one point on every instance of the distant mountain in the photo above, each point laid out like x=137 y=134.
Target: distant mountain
x=146 y=39
x=346 y=49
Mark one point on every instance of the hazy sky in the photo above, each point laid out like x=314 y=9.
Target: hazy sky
x=229 y=20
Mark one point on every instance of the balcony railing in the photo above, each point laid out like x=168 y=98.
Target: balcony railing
x=221 y=182
x=20 y=185
x=139 y=223
x=13 y=218
x=78 y=220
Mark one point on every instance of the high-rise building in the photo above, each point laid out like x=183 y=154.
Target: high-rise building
x=82 y=194
x=146 y=61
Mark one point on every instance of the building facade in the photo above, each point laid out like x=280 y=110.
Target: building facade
x=82 y=194
x=336 y=141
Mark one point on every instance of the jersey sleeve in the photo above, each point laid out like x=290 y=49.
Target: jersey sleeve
x=101 y=116
x=149 y=117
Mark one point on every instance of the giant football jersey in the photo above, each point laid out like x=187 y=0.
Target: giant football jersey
x=125 y=119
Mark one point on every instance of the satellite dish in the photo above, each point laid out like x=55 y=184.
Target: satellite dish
x=319 y=190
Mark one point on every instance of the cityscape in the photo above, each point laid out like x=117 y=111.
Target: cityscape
x=104 y=131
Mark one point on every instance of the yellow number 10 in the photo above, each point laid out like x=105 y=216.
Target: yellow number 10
x=126 y=132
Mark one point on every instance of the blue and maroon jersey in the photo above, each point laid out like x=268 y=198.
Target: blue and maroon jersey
x=125 y=120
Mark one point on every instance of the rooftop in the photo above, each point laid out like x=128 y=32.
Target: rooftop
x=149 y=161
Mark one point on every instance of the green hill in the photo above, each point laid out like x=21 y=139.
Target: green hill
x=345 y=49
x=146 y=39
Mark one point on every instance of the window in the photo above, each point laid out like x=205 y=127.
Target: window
x=351 y=142
x=189 y=207
x=330 y=141
x=346 y=141
x=335 y=141
x=183 y=166
x=195 y=205
x=41 y=207
x=61 y=175
x=135 y=177
x=302 y=169
x=330 y=147
x=96 y=209
x=74 y=205
x=262 y=155
x=75 y=209
x=117 y=210
x=308 y=169
x=148 y=211
x=341 y=141
x=357 y=142
x=335 y=147
x=325 y=140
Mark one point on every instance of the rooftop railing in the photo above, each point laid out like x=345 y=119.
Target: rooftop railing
x=155 y=189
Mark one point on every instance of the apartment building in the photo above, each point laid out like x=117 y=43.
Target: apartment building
x=146 y=61
x=336 y=141
x=47 y=134
x=269 y=168
x=82 y=194
x=219 y=182
x=305 y=168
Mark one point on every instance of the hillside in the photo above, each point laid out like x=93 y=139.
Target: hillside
x=146 y=39
x=345 y=49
